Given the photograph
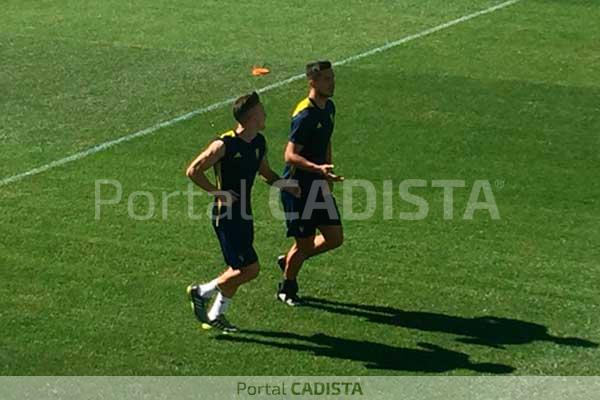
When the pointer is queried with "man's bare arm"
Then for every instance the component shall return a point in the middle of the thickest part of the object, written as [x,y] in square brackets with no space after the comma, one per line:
[265,170]
[205,160]
[292,156]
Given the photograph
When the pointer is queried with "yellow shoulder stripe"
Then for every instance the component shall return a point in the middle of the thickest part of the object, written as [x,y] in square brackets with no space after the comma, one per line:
[303,105]
[230,133]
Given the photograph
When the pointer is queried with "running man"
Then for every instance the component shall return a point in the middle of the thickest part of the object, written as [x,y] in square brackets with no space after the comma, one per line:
[236,156]
[309,161]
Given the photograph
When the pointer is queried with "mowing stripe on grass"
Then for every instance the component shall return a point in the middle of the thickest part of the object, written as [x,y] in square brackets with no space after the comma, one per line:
[144,132]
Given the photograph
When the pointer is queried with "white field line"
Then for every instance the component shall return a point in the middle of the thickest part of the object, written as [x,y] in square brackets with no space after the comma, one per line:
[145,132]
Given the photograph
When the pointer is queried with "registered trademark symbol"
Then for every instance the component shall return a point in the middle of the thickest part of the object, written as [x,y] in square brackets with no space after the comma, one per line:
[499,183]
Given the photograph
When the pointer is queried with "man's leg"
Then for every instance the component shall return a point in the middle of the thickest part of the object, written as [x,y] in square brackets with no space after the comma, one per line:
[230,280]
[225,285]
[236,238]
[331,237]
[296,256]
[228,283]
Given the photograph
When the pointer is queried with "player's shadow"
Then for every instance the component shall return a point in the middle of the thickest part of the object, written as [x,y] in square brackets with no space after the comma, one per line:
[427,358]
[487,330]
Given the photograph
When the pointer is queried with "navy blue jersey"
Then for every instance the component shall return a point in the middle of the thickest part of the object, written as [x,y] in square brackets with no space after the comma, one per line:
[312,128]
[236,171]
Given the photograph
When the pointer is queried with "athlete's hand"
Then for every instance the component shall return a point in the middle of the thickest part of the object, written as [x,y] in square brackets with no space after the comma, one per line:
[331,177]
[325,169]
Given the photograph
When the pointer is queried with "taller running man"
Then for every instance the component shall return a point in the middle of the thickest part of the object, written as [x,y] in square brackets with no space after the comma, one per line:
[308,158]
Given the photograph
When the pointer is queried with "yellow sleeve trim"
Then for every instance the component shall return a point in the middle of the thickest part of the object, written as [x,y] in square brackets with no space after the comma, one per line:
[218,175]
[230,133]
[219,187]
[303,105]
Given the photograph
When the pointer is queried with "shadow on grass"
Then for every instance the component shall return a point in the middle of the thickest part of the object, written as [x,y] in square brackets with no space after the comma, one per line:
[487,331]
[428,358]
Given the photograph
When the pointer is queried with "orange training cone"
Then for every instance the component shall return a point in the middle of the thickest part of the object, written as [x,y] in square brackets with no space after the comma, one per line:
[260,71]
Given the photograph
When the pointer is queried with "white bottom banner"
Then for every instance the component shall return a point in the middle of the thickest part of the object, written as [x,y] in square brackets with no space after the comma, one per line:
[301,387]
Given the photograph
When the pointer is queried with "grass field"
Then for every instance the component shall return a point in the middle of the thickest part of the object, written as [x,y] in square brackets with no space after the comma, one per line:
[511,97]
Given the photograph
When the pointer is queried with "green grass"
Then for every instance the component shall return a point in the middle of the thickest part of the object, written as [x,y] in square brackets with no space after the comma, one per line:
[511,97]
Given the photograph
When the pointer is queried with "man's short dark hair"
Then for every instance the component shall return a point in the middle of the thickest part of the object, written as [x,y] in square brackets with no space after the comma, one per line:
[243,105]
[313,69]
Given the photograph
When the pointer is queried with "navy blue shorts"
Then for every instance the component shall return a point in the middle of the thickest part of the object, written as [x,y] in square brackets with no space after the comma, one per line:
[302,220]
[236,238]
